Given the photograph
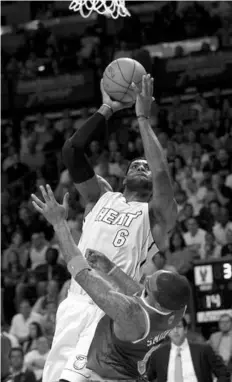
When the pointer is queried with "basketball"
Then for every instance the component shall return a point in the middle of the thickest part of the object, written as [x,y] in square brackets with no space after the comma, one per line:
[119,75]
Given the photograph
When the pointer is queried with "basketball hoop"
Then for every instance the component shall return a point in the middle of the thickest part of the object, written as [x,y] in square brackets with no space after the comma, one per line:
[113,8]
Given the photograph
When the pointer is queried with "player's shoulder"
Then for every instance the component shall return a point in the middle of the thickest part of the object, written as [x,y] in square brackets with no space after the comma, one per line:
[109,194]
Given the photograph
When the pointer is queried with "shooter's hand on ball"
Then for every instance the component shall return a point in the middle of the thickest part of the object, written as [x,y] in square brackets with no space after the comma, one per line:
[53,212]
[113,105]
[144,98]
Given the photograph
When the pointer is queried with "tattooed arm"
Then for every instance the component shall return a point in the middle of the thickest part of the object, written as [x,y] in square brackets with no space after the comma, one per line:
[102,264]
[127,314]
[130,321]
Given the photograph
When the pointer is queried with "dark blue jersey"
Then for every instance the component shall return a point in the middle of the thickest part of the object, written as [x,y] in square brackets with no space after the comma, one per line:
[112,358]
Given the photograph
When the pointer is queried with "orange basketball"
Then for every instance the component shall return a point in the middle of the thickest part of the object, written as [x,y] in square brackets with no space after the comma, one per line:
[119,75]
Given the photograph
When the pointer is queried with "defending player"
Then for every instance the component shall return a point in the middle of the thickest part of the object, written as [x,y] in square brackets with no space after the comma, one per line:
[133,325]
[120,225]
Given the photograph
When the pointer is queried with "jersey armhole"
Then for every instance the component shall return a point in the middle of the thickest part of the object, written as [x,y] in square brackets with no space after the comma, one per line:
[90,206]
[148,326]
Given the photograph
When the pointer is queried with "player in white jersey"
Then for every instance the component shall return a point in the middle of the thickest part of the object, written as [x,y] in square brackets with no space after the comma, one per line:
[120,225]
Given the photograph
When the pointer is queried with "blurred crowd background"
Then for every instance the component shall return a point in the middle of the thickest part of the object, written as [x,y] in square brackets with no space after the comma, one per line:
[52,62]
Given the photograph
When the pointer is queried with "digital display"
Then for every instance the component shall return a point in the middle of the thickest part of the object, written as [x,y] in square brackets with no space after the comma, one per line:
[212,289]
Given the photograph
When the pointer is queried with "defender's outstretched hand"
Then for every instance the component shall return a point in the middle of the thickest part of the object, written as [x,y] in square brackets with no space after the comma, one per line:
[114,105]
[51,210]
[144,98]
[98,261]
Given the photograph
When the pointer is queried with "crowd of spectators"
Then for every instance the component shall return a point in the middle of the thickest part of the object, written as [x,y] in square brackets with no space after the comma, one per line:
[197,139]
[42,52]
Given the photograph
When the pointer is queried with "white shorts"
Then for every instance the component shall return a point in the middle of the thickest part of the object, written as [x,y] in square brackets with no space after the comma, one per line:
[86,375]
[76,321]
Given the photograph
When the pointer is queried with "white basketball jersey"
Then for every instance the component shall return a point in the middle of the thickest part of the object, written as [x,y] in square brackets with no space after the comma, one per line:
[120,230]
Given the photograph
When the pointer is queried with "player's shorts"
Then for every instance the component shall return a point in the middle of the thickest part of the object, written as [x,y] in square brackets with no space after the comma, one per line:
[86,375]
[76,322]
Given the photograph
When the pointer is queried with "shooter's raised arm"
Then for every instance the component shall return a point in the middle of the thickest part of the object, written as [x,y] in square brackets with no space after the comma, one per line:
[162,207]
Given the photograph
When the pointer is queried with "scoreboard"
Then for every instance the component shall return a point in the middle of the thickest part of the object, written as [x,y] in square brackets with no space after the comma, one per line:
[212,289]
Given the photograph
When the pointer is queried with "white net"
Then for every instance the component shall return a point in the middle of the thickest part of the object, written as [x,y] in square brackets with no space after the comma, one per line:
[113,8]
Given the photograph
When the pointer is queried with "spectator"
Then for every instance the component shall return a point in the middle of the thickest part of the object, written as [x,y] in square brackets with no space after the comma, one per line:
[221,227]
[64,123]
[37,252]
[195,197]
[50,61]
[35,332]
[31,66]
[214,209]
[52,296]
[18,247]
[21,321]
[195,236]
[43,133]
[51,269]
[35,359]
[113,149]
[221,341]
[223,193]
[49,319]
[118,167]
[227,249]
[25,138]
[5,352]
[32,158]
[16,170]
[11,278]
[26,222]
[94,148]
[228,181]
[209,214]
[211,250]
[123,50]
[228,138]
[7,231]
[19,371]
[4,331]
[222,163]
[27,288]
[189,147]
[181,199]
[183,360]
[84,115]
[197,173]
[8,138]
[185,214]
[178,255]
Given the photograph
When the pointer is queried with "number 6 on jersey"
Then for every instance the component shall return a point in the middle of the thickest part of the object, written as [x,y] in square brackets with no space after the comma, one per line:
[120,237]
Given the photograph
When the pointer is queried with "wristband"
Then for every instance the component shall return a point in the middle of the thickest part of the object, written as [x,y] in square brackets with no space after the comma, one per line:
[111,271]
[142,116]
[105,104]
[76,265]
[106,111]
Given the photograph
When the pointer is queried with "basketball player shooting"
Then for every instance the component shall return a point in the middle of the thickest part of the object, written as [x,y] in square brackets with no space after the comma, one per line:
[133,326]
[120,225]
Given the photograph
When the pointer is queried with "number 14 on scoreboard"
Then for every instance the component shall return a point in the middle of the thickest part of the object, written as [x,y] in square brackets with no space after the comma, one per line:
[213,301]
